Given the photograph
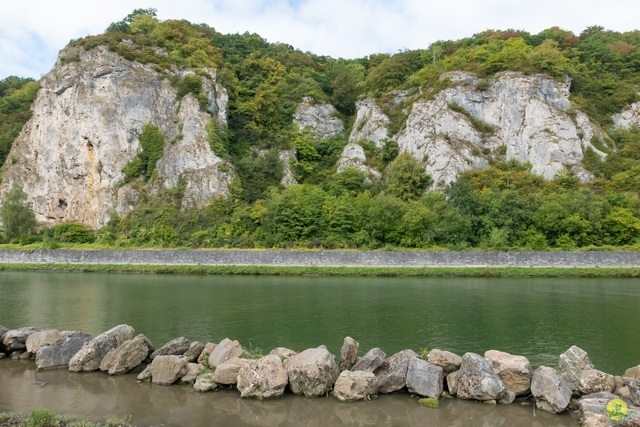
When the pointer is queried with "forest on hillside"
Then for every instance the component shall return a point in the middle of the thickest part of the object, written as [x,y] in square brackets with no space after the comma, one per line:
[504,207]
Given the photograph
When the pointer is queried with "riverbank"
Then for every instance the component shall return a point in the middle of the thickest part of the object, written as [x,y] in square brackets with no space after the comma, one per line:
[46,418]
[328,263]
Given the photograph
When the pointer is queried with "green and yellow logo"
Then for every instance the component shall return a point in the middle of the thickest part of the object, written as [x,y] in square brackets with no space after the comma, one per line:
[617,410]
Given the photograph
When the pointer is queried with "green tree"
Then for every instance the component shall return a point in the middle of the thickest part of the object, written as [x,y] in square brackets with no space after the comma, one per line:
[17,217]
[123,25]
[407,179]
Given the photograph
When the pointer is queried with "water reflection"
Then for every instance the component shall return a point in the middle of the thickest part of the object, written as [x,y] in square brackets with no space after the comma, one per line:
[97,396]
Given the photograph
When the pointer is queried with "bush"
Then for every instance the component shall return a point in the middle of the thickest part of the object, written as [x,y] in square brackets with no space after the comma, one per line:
[69,232]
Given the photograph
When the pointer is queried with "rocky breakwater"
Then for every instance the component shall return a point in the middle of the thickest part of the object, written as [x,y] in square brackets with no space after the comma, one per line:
[497,377]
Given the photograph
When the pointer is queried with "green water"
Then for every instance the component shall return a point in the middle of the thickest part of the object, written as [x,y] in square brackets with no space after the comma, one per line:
[537,318]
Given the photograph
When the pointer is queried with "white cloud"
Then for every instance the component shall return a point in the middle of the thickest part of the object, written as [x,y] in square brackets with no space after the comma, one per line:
[33,31]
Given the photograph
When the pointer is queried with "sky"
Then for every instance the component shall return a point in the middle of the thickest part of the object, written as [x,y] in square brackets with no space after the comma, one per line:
[33,31]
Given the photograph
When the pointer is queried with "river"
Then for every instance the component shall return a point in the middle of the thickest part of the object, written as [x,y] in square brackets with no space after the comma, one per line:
[537,318]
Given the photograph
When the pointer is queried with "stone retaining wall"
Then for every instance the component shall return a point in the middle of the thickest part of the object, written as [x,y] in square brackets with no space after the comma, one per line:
[324,258]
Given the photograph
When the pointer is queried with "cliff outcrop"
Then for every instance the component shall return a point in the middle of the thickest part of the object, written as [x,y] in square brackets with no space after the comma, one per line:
[463,127]
[84,130]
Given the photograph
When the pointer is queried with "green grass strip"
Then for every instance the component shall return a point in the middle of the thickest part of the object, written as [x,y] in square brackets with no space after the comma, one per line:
[258,270]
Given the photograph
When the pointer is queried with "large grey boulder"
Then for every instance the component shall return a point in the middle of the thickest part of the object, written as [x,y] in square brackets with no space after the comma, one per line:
[59,353]
[392,375]
[552,393]
[312,372]
[371,361]
[166,370]
[348,353]
[424,378]
[127,356]
[594,381]
[514,371]
[447,360]
[227,372]
[224,351]
[193,371]
[194,351]
[265,378]
[16,339]
[633,372]
[477,380]
[175,347]
[40,339]
[353,386]
[88,358]
[572,362]
[599,410]
[204,382]
[634,389]
[452,382]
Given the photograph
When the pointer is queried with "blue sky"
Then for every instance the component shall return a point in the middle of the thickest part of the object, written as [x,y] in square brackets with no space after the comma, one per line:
[33,31]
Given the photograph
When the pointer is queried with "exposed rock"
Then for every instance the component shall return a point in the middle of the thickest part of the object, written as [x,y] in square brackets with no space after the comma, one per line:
[26,355]
[353,157]
[595,381]
[286,158]
[145,375]
[127,356]
[320,117]
[633,372]
[514,371]
[447,360]
[353,386]
[283,353]
[628,118]
[227,372]
[166,370]
[37,340]
[204,382]
[477,380]
[3,331]
[84,131]
[59,353]
[16,339]
[392,375]
[88,358]
[552,393]
[371,361]
[348,353]
[194,351]
[452,382]
[572,362]
[264,378]
[507,397]
[371,124]
[224,351]
[206,352]
[193,370]
[175,347]
[312,372]
[424,378]
[596,410]
[634,389]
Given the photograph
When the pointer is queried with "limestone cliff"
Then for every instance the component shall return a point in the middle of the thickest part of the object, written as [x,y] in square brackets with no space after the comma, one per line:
[320,117]
[84,129]
[512,116]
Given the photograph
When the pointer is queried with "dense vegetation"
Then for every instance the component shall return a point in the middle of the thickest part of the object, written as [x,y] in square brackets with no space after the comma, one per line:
[504,207]
[16,96]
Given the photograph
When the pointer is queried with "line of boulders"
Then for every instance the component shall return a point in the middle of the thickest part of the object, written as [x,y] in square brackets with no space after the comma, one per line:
[496,378]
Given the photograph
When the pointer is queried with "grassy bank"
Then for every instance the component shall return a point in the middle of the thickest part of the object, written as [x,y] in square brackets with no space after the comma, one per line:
[46,418]
[257,270]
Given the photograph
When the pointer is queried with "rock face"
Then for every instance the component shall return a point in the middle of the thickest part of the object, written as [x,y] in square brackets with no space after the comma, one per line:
[84,130]
[265,378]
[514,371]
[628,117]
[224,351]
[127,356]
[321,118]
[462,127]
[354,386]
[551,392]
[572,362]
[477,380]
[312,372]
[353,157]
[16,339]
[40,339]
[166,370]
[595,381]
[175,347]
[88,358]
[59,353]
[348,353]
[392,375]
[447,360]
[424,378]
